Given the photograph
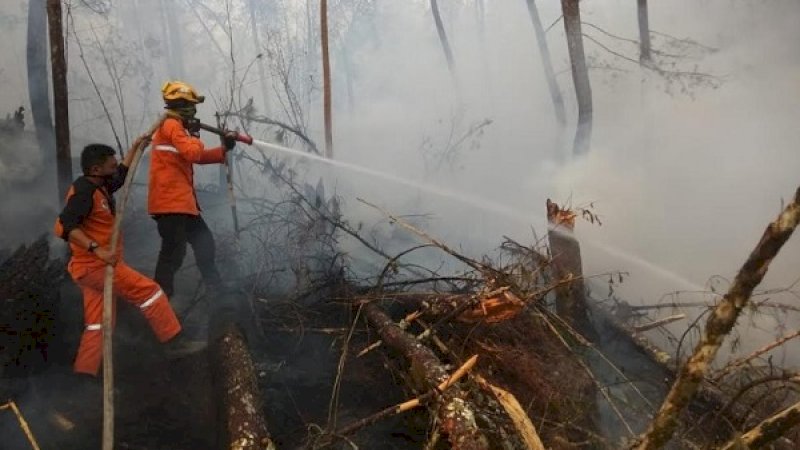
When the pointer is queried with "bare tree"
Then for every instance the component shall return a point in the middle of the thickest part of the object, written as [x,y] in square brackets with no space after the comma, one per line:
[547,64]
[580,75]
[36,53]
[448,52]
[326,78]
[58,65]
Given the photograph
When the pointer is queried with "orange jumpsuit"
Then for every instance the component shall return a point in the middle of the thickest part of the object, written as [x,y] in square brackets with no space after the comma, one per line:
[90,208]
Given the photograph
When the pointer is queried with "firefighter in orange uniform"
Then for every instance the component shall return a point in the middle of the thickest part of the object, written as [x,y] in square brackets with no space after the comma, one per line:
[86,222]
[172,200]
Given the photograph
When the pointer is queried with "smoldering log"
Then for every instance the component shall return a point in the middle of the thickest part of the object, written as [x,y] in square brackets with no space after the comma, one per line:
[455,415]
[240,403]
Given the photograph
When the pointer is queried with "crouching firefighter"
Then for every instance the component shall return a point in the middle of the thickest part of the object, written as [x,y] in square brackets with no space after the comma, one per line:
[86,222]
[172,200]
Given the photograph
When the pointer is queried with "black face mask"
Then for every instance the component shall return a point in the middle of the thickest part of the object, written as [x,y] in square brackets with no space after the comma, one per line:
[185,110]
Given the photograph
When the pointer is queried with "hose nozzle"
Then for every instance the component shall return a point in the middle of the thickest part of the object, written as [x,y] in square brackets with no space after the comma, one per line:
[240,137]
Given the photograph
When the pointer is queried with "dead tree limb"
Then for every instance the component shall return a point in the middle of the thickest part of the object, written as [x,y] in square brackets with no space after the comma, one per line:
[410,404]
[483,268]
[733,365]
[456,417]
[658,323]
[284,126]
[719,324]
[767,431]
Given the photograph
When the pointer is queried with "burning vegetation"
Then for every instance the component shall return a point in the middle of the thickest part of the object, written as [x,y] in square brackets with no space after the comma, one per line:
[329,332]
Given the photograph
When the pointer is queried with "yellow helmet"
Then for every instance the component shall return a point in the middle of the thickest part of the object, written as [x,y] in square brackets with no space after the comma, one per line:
[178,90]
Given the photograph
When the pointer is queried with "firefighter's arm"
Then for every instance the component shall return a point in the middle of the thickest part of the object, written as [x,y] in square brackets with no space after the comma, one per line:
[79,238]
[189,147]
[78,207]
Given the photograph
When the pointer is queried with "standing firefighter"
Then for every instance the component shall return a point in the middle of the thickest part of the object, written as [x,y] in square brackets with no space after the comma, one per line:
[172,199]
[86,222]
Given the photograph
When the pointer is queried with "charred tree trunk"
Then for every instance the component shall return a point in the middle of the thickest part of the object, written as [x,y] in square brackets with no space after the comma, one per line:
[236,383]
[36,54]
[547,64]
[567,265]
[326,78]
[580,75]
[644,32]
[455,415]
[448,52]
[58,66]
[719,324]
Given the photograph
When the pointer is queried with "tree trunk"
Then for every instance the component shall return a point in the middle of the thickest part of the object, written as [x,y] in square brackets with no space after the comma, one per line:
[547,64]
[767,431]
[719,324]
[58,65]
[580,75]
[448,52]
[455,415]
[236,383]
[326,78]
[644,32]
[36,54]
[262,73]
[567,265]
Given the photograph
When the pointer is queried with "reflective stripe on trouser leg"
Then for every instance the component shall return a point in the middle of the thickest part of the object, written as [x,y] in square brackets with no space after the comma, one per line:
[90,350]
[150,298]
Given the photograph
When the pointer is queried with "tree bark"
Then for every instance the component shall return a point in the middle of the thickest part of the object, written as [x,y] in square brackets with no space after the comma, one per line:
[567,265]
[326,79]
[455,415]
[644,32]
[580,75]
[236,383]
[58,66]
[767,431]
[719,324]
[38,84]
[547,65]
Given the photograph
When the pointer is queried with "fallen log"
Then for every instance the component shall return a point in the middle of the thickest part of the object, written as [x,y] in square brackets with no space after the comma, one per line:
[236,384]
[455,415]
[409,404]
